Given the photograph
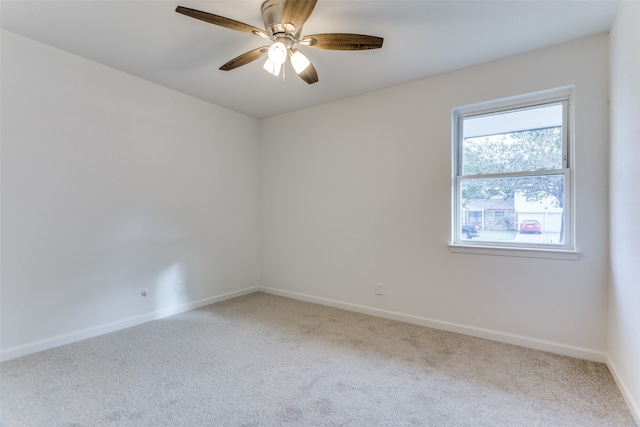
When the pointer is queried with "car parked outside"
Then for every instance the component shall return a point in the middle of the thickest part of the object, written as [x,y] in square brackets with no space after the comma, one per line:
[469,231]
[531,226]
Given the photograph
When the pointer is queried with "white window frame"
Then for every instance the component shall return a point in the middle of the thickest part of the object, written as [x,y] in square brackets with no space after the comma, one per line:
[567,250]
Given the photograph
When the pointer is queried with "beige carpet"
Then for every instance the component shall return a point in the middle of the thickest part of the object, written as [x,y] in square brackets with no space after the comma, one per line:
[271,361]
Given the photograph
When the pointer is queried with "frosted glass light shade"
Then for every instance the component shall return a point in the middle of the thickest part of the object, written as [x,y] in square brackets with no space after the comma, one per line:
[278,53]
[299,61]
[272,67]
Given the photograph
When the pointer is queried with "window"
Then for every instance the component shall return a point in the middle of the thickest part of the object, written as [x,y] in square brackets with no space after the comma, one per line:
[512,168]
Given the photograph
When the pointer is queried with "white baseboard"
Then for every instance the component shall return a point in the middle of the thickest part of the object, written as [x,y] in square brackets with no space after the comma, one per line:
[72,337]
[523,341]
[549,346]
[633,405]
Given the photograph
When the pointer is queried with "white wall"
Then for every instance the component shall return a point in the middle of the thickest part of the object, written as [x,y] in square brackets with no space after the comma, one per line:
[111,185]
[624,291]
[358,191]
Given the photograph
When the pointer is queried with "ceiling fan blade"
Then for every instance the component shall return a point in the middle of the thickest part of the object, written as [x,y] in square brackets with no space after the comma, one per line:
[221,21]
[309,74]
[342,41]
[297,12]
[245,58]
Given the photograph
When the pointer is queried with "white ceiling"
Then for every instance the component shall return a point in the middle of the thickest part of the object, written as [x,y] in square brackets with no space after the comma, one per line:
[421,38]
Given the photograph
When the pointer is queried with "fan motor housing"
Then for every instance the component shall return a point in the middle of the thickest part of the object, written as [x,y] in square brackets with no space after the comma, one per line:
[272,18]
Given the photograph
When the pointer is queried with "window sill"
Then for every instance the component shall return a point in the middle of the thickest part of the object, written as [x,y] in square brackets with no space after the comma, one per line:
[516,252]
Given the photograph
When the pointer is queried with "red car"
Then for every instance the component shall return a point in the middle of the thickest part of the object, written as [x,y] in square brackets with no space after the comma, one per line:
[531,226]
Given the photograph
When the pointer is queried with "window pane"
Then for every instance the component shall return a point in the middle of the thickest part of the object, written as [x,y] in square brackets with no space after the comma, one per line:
[527,209]
[517,141]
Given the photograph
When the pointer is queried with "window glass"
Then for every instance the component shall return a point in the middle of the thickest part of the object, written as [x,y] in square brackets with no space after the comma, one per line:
[501,208]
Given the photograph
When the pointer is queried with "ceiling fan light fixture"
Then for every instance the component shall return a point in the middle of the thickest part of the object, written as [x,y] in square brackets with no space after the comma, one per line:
[278,53]
[299,61]
[283,21]
[272,67]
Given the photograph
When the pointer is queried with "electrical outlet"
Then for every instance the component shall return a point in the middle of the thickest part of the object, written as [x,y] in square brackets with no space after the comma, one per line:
[179,286]
[379,288]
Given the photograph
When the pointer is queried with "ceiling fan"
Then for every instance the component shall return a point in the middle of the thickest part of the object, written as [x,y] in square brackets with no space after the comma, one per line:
[283,21]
